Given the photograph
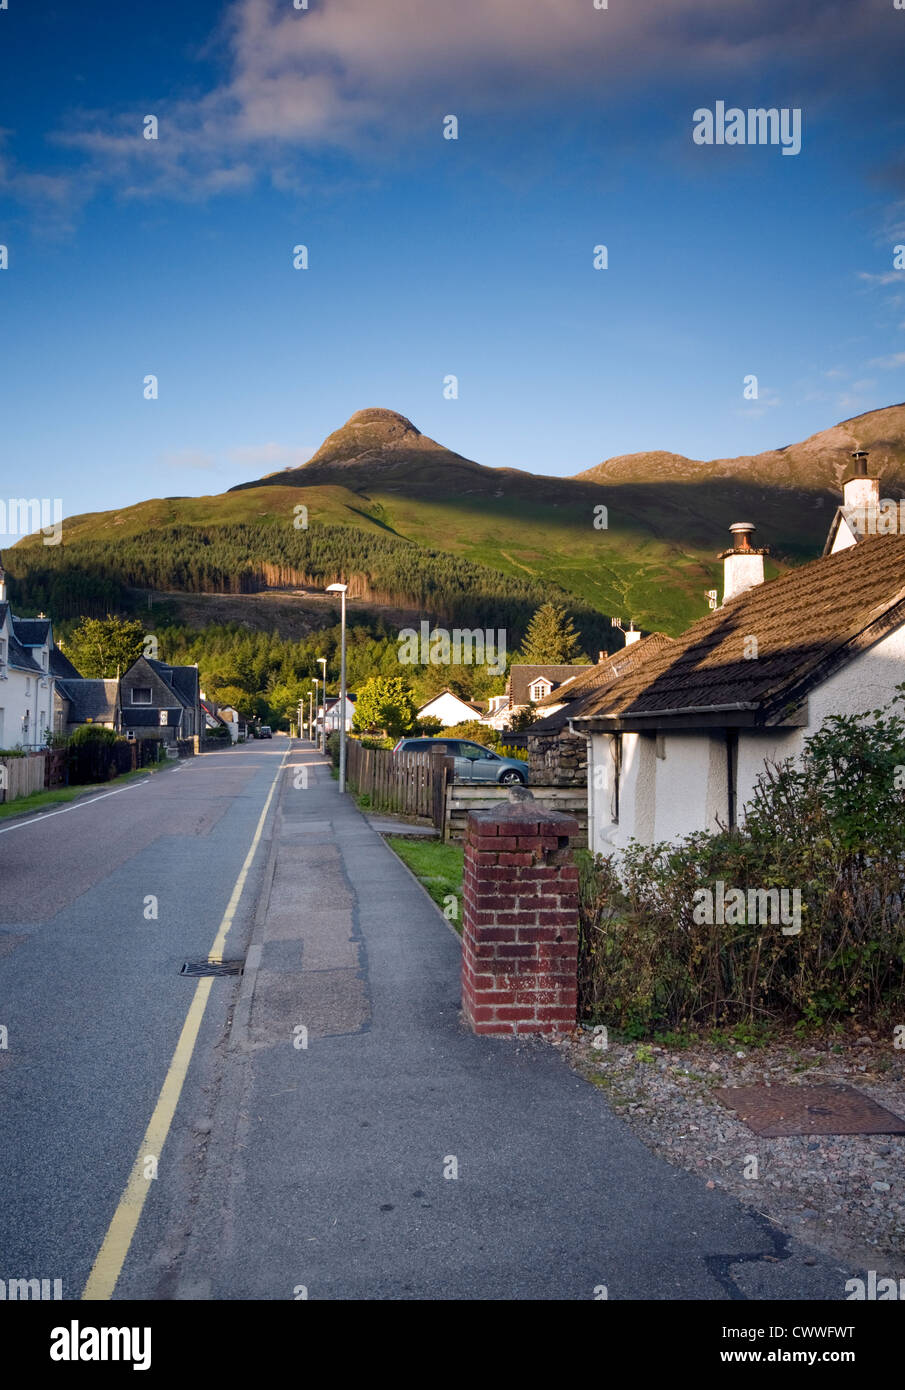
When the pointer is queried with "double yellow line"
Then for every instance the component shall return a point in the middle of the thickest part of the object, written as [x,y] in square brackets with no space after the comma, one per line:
[112,1255]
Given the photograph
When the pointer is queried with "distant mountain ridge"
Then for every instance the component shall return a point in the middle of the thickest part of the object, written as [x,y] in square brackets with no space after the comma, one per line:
[377,445]
[667,517]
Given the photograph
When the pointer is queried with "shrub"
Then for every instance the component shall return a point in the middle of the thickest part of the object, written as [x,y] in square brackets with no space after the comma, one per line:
[829,827]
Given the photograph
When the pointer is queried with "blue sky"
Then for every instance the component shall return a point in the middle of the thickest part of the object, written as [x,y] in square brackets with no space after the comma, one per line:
[431,257]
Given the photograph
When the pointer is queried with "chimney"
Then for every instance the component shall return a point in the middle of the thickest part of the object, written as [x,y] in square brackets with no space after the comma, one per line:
[743,565]
[859,492]
[631,635]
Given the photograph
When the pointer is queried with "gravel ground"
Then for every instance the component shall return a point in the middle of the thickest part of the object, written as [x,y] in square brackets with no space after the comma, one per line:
[844,1194]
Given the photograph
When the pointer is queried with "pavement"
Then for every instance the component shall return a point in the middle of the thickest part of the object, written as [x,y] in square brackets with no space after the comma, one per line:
[357,1142]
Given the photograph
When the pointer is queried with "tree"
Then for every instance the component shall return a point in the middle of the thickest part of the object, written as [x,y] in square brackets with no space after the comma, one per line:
[551,640]
[101,648]
[385,702]
[522,719]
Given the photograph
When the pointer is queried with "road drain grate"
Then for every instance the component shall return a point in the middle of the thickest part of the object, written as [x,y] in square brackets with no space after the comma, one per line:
[212,967]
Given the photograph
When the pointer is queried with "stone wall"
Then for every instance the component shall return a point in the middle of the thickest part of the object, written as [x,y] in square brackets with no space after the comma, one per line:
[558,759]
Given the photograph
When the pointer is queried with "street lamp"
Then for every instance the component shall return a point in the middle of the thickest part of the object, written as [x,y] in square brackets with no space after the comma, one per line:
[341,589]
[322,662]
[310,715]
[313,720]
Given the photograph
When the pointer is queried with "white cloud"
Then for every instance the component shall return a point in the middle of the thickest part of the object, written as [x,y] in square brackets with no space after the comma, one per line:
[894,359]
[361,75]
[888,277]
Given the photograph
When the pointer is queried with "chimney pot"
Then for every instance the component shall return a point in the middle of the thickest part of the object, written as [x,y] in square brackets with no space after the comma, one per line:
[743,565]
[860,492]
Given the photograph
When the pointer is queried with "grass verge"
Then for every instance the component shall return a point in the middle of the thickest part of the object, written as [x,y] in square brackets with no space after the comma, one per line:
[439,867]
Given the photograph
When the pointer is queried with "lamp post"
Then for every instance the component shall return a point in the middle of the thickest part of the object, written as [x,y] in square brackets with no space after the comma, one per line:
[312,714]
[341,589]
[322,663]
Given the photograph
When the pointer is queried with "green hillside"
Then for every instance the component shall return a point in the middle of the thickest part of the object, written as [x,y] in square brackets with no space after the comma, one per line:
[412,525]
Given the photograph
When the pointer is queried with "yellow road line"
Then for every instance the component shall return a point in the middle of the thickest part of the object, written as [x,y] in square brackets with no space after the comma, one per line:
[112,1255]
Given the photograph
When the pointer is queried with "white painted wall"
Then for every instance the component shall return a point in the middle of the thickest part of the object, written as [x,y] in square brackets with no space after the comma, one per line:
[26,704]
[448,708]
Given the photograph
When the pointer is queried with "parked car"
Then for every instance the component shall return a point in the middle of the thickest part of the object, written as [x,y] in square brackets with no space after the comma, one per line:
[265,731]
[474,763]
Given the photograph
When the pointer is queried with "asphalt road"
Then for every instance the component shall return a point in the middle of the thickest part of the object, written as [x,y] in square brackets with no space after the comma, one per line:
[322,1171]
[92,997]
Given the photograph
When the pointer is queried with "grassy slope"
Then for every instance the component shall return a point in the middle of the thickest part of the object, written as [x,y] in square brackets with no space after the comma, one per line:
[668,517]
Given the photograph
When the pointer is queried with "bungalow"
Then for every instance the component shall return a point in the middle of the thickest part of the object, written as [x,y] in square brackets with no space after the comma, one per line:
[677,744]
[449,709]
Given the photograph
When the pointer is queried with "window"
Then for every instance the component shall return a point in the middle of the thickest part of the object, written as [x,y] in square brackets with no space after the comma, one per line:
[141,694]
[539,689]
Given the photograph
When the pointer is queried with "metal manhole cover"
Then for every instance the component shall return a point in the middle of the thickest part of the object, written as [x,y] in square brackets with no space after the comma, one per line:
[775,1111]
[213,967]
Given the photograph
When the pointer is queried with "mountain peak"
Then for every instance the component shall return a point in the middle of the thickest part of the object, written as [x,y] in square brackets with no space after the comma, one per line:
[377,415]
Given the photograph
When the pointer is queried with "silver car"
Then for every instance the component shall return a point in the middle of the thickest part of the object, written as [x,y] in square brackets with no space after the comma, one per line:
[473,763]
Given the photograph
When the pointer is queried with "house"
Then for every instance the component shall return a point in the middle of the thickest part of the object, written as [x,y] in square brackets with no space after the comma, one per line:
[160,701]
[677,744]
[449,709]
[557,757]
[222,716]
[528,685]
[332,715]
[80,701]
[496,714]
[26,678]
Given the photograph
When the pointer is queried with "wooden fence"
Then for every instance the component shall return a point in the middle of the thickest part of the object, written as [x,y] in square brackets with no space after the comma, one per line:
[409,784]
[463,797]
[21,776]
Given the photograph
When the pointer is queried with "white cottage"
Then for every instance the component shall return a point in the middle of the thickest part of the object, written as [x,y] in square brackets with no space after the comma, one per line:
[449,709]
[677,745]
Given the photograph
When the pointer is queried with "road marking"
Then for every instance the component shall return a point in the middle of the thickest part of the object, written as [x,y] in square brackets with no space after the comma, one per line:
[111,1257]
[88,801]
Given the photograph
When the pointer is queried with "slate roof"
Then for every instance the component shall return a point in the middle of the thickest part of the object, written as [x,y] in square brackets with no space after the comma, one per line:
[62,667]
[19,656]
[573,697]
[182,680]
[89,699]
[32,632]
[807,624]
[521,677]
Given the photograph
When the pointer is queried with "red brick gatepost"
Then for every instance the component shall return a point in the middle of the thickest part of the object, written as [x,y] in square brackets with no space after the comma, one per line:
[520,921]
